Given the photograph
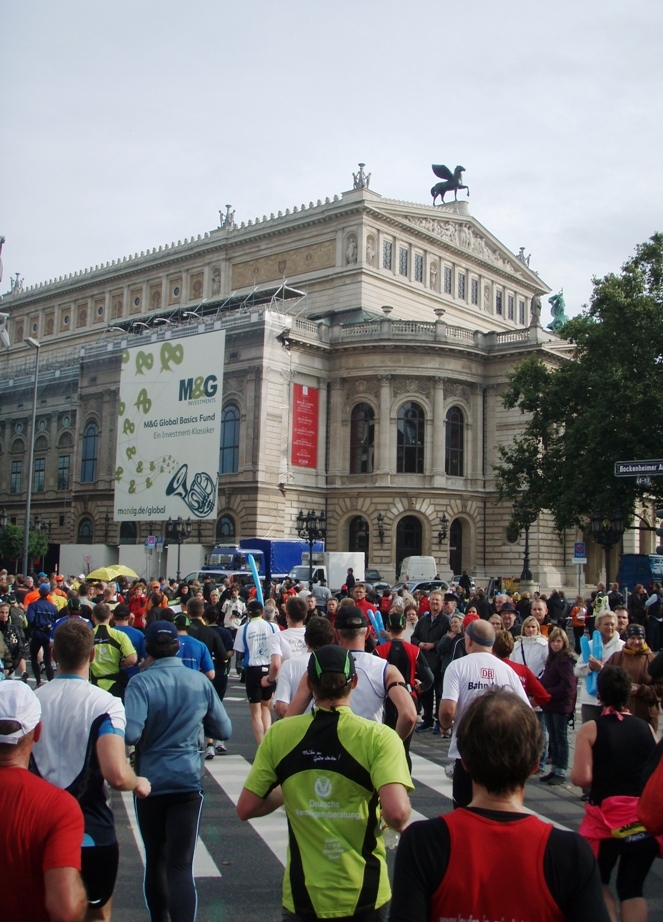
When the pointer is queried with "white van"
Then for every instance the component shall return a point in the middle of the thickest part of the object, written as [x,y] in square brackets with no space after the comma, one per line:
[418,568]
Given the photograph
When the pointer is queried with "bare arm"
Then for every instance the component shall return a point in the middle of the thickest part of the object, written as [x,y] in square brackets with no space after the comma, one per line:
[395,805]
[115,768]
[447,713]
[130,660]
[281,708]
[274,668]
[210,675]
[301,699]
[583,762]
[250,805]
[65,896]
[402,701]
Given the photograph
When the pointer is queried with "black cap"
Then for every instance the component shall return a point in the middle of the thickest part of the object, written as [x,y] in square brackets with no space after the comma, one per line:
[255,607]
[330,659]
[396,619]
[450,597]
[161,632]
[350,617]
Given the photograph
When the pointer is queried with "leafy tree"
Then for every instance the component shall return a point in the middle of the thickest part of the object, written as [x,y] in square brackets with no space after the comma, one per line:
[600,406]
[11,542]
[37,544]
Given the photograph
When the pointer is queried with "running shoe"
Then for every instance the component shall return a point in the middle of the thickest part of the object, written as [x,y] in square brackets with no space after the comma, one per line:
[424,727]
[209,752]
[220,747]
[556,779]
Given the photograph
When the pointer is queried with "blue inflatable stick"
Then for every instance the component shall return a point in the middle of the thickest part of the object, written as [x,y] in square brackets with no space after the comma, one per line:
[378,624]
[256,578]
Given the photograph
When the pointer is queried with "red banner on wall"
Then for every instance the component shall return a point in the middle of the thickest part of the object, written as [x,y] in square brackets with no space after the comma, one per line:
[304,426]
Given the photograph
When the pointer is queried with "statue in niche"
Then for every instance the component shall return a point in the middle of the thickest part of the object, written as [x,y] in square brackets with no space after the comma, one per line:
[433,276]
[351,250]
[558,311]
[452,182]
[216,281]
[156,300]
[370,250]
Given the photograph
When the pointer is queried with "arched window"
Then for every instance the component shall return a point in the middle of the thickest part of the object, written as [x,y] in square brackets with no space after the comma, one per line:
[456,547]
[90,453]
[229,450]
[362,439]
[408,539]
[128,532]
[454,447]
[410,450]
[85,532]
[225,529]
[358,535]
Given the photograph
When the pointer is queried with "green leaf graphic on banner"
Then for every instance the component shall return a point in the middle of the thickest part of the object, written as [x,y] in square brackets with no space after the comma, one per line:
[131,451]
[144,360]
[128,428]
[139,467]
[132,486]
[152,466]
[118,473]
[170,353]
[148,483]
[143,402]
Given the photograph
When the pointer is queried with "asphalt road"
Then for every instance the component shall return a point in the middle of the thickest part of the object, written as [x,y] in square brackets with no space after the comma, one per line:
[239,868]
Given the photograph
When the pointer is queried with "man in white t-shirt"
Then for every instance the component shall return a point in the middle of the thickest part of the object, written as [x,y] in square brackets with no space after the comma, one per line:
[285,644]
[464,680]
[253,640]
[318,633]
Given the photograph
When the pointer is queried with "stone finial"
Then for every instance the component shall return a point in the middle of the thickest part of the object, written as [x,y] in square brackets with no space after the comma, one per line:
[361,180]
[227,220]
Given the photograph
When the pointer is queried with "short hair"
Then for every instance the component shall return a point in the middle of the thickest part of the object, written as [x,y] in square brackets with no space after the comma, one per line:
[161,650]
[500,740]
[602,616]
[211,614]
[296,608]
[319,632]
[101,612]
[503,646]
[614,686]
[530,620]
[73,642]
[195,608]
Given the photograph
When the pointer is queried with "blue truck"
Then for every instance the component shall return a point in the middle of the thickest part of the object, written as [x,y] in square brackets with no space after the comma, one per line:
[280,555]
[640,568]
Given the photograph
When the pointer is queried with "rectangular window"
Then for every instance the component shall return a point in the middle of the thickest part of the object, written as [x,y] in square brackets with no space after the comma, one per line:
[474,291]
[509,307]
[461,285]
[63,472]
[387,248]
[38,479]
[402,261]
[447,280]
[418,267]
[498,303]
[521,312]
[15,482]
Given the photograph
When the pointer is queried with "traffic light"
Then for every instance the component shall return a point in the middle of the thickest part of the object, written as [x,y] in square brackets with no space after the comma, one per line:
[659,531]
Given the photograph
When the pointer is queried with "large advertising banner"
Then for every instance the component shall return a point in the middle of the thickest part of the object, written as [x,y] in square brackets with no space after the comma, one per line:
[304,426]
[169,429]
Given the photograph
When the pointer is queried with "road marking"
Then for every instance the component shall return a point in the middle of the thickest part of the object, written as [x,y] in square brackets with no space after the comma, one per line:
[203,863]
[433,776]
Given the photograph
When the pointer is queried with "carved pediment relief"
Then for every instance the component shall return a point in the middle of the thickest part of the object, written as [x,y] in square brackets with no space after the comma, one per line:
[463,235]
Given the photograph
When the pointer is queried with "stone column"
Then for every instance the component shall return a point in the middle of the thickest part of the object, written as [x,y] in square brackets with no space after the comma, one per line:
[338,428]
[383,468]
[439,427]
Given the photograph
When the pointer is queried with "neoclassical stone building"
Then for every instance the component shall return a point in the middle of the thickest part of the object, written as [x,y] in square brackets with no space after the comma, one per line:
[367,345]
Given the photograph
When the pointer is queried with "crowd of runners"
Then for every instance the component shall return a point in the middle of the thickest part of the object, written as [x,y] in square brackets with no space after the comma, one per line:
[126,689]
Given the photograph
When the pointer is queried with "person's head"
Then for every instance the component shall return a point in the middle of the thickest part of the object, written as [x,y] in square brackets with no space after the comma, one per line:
[558,642]
[109,593]
[479,637]
[195,608]
[359,591]
[635,637]
[621,614]
[606,625]
[214,596]
[255,609]
[332,606]
[396,622]
[471,610]
[331,673]
[531,627]
[121,614]
[161,639]
[296,609]
[351,624]
[318,633]
[44,590]
[234,590]
[508,618]
[435,602]
[20,716]
[181,622]
[539,610]
[496,621]
[456,623]
[638,588]
[101,613]
[449,604]
[310,602]
[411,614]
[73,643]
[499,602]
[4,611]
[499,739]
[503,646]
[614,686]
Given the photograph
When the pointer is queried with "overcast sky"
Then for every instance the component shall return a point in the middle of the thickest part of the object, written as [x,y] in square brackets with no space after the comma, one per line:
[129,124]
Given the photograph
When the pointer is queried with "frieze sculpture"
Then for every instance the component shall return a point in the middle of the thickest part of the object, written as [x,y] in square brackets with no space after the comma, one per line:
[453,181]
[558,311]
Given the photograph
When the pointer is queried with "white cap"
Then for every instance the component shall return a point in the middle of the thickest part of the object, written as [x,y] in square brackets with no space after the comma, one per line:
[18,702]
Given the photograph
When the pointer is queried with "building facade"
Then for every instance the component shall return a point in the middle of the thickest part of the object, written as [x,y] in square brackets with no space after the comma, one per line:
[368,343]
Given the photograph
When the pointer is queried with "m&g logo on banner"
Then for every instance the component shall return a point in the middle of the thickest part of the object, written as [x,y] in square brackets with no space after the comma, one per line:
[196,388]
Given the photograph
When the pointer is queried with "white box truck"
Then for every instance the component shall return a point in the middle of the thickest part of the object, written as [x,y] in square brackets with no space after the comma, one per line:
[332,566]
[418,568]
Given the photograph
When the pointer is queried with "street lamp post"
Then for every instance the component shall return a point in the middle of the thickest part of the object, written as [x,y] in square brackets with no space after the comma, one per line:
[312,528]
[179,530]
[607,531]
[520,513]
[34,344]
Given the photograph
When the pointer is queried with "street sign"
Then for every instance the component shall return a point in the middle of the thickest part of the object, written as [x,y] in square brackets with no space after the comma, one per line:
[150,541]
[579,552]
[649,468]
